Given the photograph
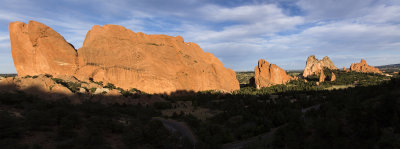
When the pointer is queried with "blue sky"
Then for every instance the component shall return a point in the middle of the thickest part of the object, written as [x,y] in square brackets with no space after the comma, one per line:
[238,32]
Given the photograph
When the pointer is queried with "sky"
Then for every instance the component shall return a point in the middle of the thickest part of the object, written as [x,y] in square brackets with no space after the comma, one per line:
[238,32]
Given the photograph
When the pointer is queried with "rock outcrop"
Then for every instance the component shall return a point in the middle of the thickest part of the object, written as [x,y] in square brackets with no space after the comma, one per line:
[266,74]
[114,54]
[38,49]
[35,86]
[364,67]
[322,76]
[315,66]
[333,77]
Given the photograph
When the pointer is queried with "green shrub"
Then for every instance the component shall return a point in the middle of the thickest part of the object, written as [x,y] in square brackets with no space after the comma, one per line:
[92,90]
[110,86]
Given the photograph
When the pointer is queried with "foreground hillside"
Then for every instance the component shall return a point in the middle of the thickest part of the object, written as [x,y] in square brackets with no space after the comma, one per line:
[358,110]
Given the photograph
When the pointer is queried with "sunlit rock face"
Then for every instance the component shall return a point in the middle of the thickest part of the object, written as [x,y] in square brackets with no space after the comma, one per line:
[364,67]
[114,54]
[315,66]
[266,74]
[38,49]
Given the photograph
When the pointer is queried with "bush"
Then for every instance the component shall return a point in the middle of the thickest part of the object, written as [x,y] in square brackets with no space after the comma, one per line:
[110,86]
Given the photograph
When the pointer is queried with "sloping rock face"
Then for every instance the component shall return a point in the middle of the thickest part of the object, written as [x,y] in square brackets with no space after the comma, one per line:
[38,49]
[333,77]
[40,85]
[266,74]
[114,54]
[315,66]
[322,77]
[364,67]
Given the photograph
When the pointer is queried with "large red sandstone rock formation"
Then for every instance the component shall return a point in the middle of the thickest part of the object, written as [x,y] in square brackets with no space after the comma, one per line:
[364,67]
[114,54]
[315,66]
[38,49]
[266,74]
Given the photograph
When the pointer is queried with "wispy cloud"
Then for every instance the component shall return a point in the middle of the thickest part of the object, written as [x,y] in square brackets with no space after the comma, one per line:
[238,33]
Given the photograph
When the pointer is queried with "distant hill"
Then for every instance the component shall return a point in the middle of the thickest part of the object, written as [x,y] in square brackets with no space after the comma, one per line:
[389,66]
[8,75]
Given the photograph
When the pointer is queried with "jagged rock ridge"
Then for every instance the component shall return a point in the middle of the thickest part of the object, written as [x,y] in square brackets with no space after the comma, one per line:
[266,74]
[364,67]
[315,66]
[114,54]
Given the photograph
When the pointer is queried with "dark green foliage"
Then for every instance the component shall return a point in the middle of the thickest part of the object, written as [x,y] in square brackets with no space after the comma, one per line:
[366,116]
[110,86]
[134,93]
[92,90]
[8,75]
[73,86]
[162,105]
[85,125]
[363,117]
[9,126]
[48,75]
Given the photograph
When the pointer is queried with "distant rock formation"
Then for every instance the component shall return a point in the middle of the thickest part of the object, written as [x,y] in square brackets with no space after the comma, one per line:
[364,67]
[114,54]
[266,74]
[315,66]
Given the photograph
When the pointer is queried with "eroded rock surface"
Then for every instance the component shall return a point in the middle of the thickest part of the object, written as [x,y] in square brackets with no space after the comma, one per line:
[114,54]
[364,67]
[266,74]
[38,49]
[315,66]
[333,77]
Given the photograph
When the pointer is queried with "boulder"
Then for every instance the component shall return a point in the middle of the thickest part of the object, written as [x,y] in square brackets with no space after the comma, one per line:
[82,90]
[101,91]
[114,54]
[38,49]
[364,67]
[114,92]
[266,74]
[315,66]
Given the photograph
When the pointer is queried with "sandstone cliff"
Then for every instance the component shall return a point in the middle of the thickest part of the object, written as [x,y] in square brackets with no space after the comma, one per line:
[364,67]
[266,74]
[315,66]
[38,49]
[114,54]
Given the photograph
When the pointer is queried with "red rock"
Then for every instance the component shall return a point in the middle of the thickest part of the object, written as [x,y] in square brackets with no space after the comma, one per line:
[322,76]
[333,77]
[38,49]
[364,67]
[114,54]
[315,66]
[266,74]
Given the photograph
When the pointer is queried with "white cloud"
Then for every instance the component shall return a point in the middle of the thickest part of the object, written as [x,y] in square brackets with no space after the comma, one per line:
[252,21]
[335,9]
